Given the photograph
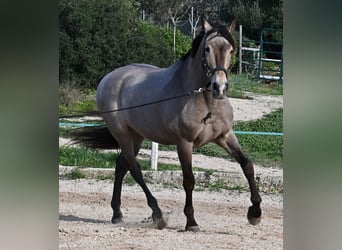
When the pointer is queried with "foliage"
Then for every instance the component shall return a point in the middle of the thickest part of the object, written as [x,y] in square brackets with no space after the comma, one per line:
[93,36]
[155,44]
[255,15]
[98,36]
[69,95]
[74,100]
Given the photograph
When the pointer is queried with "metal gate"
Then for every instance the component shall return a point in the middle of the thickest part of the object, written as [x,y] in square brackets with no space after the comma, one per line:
[263,63]
[274,58]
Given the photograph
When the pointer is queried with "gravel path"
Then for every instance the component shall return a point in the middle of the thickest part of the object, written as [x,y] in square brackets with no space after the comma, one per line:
[256,108]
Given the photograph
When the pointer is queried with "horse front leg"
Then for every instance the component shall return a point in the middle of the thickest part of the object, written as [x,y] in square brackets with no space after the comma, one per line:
[232,146]
[184,150]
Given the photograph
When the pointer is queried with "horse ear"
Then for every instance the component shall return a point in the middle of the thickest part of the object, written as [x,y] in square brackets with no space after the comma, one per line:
[206,25]
[232,26]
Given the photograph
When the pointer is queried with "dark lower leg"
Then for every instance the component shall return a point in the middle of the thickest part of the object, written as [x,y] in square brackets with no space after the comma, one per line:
[120,172]
[254,211]
[157,214]
[233,147]
[188,184]
[184,150]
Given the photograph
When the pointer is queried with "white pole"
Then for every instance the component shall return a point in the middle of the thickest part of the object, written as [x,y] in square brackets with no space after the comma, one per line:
[154,156]
[240,49]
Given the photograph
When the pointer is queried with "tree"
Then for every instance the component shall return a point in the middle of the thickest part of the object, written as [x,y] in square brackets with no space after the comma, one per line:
[99,36]
[255,15]
[93,38]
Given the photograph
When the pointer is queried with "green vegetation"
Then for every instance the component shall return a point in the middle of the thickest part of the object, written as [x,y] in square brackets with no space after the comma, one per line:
[99,36]
[266,150]
[129,180]
[75,174]
[262,149]
[239,84]
[84,157]
[73,100]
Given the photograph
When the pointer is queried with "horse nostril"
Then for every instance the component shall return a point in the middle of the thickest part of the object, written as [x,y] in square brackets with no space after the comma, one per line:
[220,87]
[216,87]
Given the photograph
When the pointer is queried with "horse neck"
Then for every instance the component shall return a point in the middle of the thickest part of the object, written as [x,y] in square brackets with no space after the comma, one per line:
[193,76]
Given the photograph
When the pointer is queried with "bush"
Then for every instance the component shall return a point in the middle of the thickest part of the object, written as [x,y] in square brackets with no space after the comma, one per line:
[93,38]
[98,36]
[69,95]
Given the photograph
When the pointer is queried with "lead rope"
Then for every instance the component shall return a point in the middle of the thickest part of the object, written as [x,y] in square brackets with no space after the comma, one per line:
[193,92]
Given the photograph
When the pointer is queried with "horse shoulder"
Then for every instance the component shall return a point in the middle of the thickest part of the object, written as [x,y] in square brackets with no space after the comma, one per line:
[211,123]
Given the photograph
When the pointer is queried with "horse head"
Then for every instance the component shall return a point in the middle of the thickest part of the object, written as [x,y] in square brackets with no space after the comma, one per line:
[217,50]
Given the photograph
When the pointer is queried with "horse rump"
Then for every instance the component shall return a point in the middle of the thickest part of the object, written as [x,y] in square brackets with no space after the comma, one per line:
[94,137]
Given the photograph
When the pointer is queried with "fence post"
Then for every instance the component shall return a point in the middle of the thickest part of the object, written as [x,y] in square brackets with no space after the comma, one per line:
[240,49]
[154,156]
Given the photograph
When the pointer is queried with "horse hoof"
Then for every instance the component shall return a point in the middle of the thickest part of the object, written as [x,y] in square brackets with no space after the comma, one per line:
[160,223]
[254,215]
[193,229]
[117,220]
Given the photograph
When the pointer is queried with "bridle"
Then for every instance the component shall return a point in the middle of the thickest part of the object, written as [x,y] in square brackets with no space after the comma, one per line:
[209,71]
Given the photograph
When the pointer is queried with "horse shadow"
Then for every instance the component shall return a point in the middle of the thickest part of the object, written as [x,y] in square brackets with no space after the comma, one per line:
[70,217]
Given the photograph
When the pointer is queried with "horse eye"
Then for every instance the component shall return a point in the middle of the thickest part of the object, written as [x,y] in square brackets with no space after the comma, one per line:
[207,49]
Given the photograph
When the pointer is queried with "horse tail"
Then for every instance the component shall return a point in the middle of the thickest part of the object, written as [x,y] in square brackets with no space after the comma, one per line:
[95,138]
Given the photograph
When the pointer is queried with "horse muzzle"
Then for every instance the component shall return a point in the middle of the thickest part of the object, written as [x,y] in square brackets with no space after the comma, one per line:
[219,90]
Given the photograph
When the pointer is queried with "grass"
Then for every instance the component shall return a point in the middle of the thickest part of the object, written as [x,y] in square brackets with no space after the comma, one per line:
[75,174]
[74,100]
[261,149]
[239,84]
[84,157]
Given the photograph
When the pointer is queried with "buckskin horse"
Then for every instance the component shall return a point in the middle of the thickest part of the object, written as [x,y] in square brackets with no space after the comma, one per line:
[183,105]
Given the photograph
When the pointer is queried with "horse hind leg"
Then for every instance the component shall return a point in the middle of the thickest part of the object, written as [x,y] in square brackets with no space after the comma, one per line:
[129,154]
[232,146]
[120,172]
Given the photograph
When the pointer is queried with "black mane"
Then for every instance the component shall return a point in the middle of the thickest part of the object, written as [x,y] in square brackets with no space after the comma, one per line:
[220,29]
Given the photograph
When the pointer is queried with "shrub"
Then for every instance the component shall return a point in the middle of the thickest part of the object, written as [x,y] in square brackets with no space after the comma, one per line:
[98,36]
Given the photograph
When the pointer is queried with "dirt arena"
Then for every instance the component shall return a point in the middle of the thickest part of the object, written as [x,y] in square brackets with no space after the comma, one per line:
[85,213]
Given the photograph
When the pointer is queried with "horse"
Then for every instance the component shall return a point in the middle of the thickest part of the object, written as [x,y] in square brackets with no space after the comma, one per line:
[183,105]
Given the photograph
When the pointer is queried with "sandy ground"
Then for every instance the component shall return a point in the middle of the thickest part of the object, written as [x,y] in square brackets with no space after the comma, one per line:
[85,212]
